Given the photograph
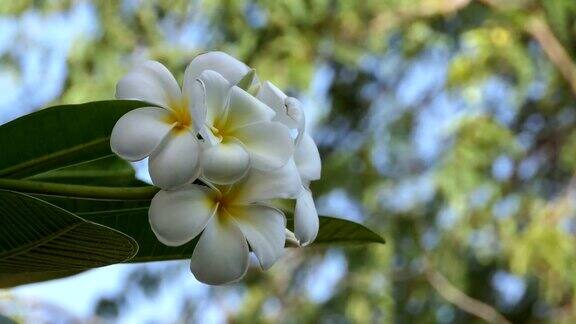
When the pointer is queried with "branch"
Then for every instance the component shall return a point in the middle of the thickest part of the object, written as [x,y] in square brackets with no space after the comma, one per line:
[456,297]
[538,28]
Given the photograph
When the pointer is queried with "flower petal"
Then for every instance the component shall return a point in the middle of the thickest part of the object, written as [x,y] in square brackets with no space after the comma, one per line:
[306,222]
[272,96]
[176,217]
[244,109]
[307,159]
[177,162]
[259,185]
[229,67]
[295,114]
[225,162]
[269,144]
[264,228]
[216,93]
[288,110]
[221,255]
[151,82]
[139,132]
[195,95]
[208,136]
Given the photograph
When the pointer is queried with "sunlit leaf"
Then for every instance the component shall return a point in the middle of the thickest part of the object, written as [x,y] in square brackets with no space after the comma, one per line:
[59,136]
[109,171]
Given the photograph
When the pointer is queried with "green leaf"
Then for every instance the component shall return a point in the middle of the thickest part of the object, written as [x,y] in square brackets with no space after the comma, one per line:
[59,136]
[36,236]
[79,206]
[8,280]
[134,222]
[110,171]
[131,218]
[246,82]
[337,230]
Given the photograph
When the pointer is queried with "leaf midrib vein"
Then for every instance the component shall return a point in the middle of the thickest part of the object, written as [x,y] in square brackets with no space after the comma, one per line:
[52,156]
[39,242]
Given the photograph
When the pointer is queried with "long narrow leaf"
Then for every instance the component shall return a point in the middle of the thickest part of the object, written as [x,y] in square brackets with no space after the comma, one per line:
[59,136]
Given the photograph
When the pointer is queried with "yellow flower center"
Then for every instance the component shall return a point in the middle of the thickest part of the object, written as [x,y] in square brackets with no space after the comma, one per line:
[221,128]
[180,114]
[225,200]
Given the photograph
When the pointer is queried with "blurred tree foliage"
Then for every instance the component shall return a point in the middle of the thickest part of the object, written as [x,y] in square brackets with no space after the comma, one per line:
[449,124]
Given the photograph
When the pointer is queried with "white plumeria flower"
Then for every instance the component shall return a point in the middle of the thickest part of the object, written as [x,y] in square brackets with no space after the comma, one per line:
[229,218]
[307,158]
[240,132]
[167,134]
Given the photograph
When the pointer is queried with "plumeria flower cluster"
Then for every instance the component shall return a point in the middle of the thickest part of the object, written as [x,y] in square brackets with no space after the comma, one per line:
[221,148]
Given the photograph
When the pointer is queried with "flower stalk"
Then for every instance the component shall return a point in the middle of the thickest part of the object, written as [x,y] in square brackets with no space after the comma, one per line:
[79,191]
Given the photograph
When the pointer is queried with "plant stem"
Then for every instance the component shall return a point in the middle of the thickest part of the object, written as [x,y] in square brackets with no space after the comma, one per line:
[468,304]
[79,191]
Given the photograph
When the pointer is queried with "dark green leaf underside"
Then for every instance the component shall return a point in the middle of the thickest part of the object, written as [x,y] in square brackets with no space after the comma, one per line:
[38,237]
[8,280]
[79,206]
[134,222]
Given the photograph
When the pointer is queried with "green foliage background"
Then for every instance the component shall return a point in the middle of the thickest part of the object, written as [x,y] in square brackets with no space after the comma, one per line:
[495,58]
